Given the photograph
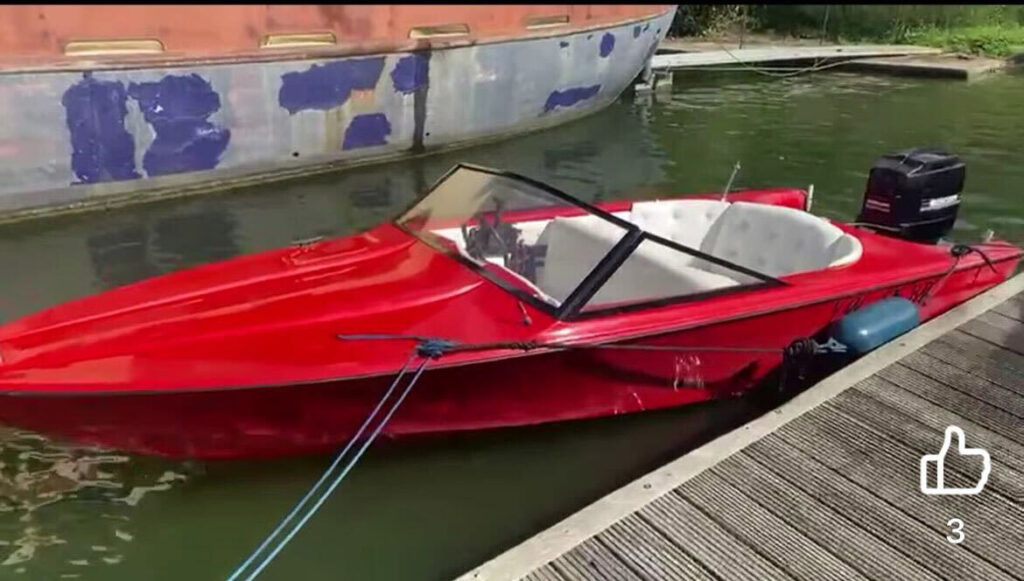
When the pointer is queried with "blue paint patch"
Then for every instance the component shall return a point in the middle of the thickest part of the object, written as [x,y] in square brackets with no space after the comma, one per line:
[636,31]
[101,147]
[570,97]
[411,73]
[323,87]
[647,27]
[367,131]
[563,44]
[607,44]
[177,107]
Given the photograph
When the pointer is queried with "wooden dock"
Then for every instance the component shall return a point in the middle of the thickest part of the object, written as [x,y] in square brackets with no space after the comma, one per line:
[725,55]
[828,485]
[951,66]
[891,59]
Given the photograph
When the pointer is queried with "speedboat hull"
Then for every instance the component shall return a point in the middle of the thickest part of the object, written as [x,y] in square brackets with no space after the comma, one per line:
[273,416]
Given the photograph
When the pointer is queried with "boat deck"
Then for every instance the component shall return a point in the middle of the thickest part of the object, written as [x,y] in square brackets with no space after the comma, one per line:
[828,485]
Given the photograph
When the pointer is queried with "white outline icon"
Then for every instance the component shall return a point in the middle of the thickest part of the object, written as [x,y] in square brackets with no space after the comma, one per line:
[940,459]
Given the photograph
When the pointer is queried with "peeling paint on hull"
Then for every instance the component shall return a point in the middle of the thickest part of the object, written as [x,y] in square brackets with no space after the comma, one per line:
[109,129]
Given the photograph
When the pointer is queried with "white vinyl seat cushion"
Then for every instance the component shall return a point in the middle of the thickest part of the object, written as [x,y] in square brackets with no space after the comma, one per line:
[652,271]
[685,222]
[574,247]
[776,240]
[846,250]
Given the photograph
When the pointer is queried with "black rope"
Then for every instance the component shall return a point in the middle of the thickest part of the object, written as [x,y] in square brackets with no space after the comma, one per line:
[675,348]
[795,356]
[958,251]
[964,249]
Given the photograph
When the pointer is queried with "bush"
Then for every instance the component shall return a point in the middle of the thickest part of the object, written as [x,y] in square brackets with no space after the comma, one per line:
[995,30]
[885,23]
[708,19]
[992,40]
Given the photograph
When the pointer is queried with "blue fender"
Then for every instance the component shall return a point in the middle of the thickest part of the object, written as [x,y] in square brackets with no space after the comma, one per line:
[876,324]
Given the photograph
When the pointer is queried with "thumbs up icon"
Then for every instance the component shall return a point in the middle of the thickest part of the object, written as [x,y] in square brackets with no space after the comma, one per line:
[953,433]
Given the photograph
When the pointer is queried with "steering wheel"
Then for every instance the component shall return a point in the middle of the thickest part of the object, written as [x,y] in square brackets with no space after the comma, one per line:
[489,238]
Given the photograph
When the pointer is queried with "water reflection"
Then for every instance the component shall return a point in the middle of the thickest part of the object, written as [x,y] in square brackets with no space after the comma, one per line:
[66,508]
[120,255]
[595,158]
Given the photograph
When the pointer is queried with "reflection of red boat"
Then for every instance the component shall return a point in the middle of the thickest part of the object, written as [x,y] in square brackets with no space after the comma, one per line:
[242,357]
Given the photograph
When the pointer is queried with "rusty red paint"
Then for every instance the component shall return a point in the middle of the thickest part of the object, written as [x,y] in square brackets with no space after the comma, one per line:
[38,34]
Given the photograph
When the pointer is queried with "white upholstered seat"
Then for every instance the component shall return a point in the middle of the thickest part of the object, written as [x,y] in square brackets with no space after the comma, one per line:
[773,240]
[575,245]
[683,221]
[776,240]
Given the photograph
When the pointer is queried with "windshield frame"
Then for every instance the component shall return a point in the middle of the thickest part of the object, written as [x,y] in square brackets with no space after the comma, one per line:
[572,307]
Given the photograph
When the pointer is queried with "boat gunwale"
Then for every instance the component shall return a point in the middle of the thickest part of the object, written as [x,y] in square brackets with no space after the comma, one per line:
[513,355]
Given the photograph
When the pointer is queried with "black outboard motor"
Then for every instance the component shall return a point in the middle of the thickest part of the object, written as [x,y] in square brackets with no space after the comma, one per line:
[914,194]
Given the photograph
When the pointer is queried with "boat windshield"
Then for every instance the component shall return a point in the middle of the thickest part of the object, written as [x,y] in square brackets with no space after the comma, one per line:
[557,252]
[503,224]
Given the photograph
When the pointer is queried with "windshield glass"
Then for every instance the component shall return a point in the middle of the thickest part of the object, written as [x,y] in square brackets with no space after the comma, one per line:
[520,235]
[655,271]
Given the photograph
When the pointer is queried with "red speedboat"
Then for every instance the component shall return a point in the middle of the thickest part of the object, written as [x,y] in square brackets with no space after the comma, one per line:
[243,358]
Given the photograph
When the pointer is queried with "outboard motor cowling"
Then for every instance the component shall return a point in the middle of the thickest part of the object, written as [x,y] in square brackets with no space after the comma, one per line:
[914,194]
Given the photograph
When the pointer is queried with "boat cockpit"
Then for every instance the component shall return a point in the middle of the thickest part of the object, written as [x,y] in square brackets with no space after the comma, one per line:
[575,258]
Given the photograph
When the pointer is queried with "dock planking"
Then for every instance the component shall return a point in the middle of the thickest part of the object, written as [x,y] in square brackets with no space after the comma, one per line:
[827,486]
[954,66]
[766,54]
[903,60]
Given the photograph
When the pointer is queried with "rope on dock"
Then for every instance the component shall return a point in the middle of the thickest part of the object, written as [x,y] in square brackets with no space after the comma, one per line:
[768,72]
[773,72]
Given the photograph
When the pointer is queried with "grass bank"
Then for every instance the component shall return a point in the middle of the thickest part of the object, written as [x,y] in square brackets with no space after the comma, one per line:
[989,40]
[989,30]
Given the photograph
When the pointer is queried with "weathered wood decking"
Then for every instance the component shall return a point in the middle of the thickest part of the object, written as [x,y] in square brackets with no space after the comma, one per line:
[827,486]
[892,59]
[764,54]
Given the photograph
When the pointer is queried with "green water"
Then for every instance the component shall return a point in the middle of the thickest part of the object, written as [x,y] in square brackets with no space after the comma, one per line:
[432,509]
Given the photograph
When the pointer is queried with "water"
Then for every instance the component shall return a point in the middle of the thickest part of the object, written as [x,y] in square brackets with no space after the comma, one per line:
[431,509]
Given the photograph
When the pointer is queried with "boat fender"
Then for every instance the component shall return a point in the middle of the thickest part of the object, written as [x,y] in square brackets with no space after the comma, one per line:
[876,324]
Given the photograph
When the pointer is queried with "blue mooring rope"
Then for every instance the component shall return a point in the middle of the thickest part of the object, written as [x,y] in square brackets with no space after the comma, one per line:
[427,349]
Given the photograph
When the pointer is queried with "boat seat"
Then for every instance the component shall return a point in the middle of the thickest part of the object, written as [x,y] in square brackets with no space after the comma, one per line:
[773,240]
[652,271]
[777,240]
[682,221]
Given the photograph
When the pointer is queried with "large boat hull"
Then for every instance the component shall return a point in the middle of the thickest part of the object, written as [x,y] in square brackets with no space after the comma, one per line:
[519,390]
[82,130]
